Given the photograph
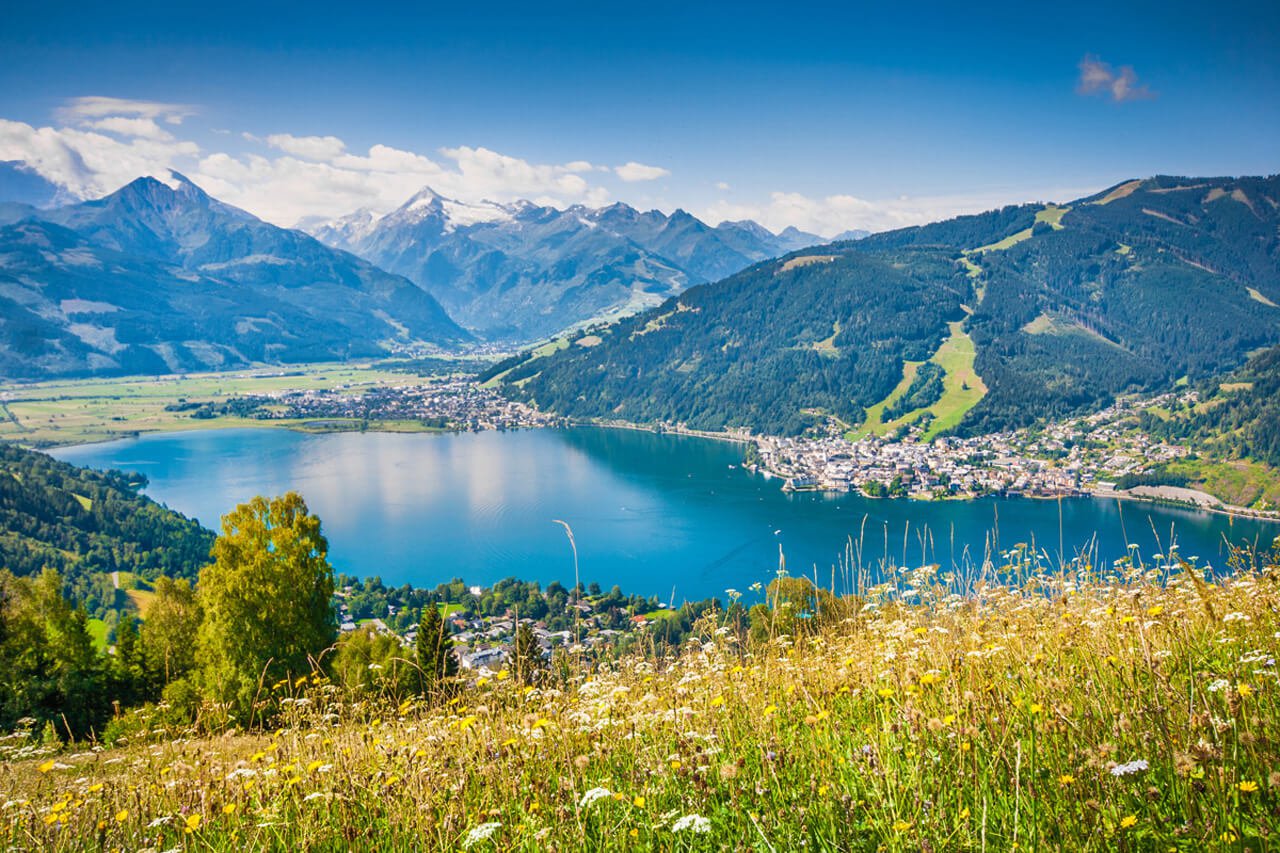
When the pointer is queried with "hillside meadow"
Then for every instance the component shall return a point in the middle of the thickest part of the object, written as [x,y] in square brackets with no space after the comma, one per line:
[1131,709]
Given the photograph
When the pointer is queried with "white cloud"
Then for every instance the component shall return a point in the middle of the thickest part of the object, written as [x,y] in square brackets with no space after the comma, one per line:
[284,178]
[503,178]
[723,186]
[323,148]
[86,162]
[125,126]
[633,171]
[833,214]
[99,144]
[79,109]
[1099,78]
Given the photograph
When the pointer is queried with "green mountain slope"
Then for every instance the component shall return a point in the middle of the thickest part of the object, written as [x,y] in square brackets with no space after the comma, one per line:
[1241,415]
[1129,290]
[87,524]
[762,347]
[162,279]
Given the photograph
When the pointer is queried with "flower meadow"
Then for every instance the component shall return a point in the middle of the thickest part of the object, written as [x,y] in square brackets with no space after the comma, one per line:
[1067,710]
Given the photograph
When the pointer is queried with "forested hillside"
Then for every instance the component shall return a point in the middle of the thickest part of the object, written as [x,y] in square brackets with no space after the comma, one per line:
[764,348]
[1237,418]
[87,524]
[1130,290]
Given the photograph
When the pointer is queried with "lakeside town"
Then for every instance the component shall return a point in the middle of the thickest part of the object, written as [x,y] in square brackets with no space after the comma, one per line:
[1078,456]
[452,402]
[1088,454]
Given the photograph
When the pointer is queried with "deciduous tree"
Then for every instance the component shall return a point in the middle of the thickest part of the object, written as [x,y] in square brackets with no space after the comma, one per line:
[267,601]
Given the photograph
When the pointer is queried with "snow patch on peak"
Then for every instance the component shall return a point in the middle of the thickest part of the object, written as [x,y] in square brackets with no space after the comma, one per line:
[461,215]
[425,197]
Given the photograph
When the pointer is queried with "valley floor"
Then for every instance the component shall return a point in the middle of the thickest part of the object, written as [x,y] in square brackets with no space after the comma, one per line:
[1078,456]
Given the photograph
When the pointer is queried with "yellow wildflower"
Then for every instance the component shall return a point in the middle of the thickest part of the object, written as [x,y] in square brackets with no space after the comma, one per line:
[122,815]
[1247,787]
[192,823]
[1128,821]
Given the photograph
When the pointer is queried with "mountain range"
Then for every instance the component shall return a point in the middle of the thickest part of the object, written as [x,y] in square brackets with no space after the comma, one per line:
[523,271]
[1030,311]
[159,277]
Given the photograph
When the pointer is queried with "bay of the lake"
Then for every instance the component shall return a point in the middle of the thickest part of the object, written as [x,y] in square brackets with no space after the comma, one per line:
[663,515]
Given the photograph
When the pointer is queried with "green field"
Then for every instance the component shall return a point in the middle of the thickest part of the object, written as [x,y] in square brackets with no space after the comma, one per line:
[872,424]
[1051,214]
[1078,710]
[962,389]
[98,632]
[1237,482]
[827,346]
[551,347]
[79,411]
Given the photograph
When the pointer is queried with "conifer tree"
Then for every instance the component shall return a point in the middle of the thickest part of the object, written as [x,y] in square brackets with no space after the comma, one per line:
[526,655]
[437,664]
[128,668]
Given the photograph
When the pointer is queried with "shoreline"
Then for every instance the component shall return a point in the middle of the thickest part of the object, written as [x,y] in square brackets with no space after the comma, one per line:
[1229,510]
[1226,509]
[634,427]
[320,426]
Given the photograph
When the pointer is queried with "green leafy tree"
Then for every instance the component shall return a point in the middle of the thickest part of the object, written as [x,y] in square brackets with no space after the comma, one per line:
[173,619]
[49,667]
[794,606]
[369,661]
[437,664]
[267,601]
[526,656]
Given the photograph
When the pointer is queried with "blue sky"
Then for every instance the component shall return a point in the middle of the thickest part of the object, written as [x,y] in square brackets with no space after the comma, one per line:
[825,116]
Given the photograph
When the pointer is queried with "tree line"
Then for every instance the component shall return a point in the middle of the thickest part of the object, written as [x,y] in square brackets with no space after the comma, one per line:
[260,616]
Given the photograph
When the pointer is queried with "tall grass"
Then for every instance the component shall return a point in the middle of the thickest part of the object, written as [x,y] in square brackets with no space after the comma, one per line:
[1058,710]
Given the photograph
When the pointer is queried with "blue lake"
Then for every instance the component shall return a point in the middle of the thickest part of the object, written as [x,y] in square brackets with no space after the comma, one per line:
[663,515]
